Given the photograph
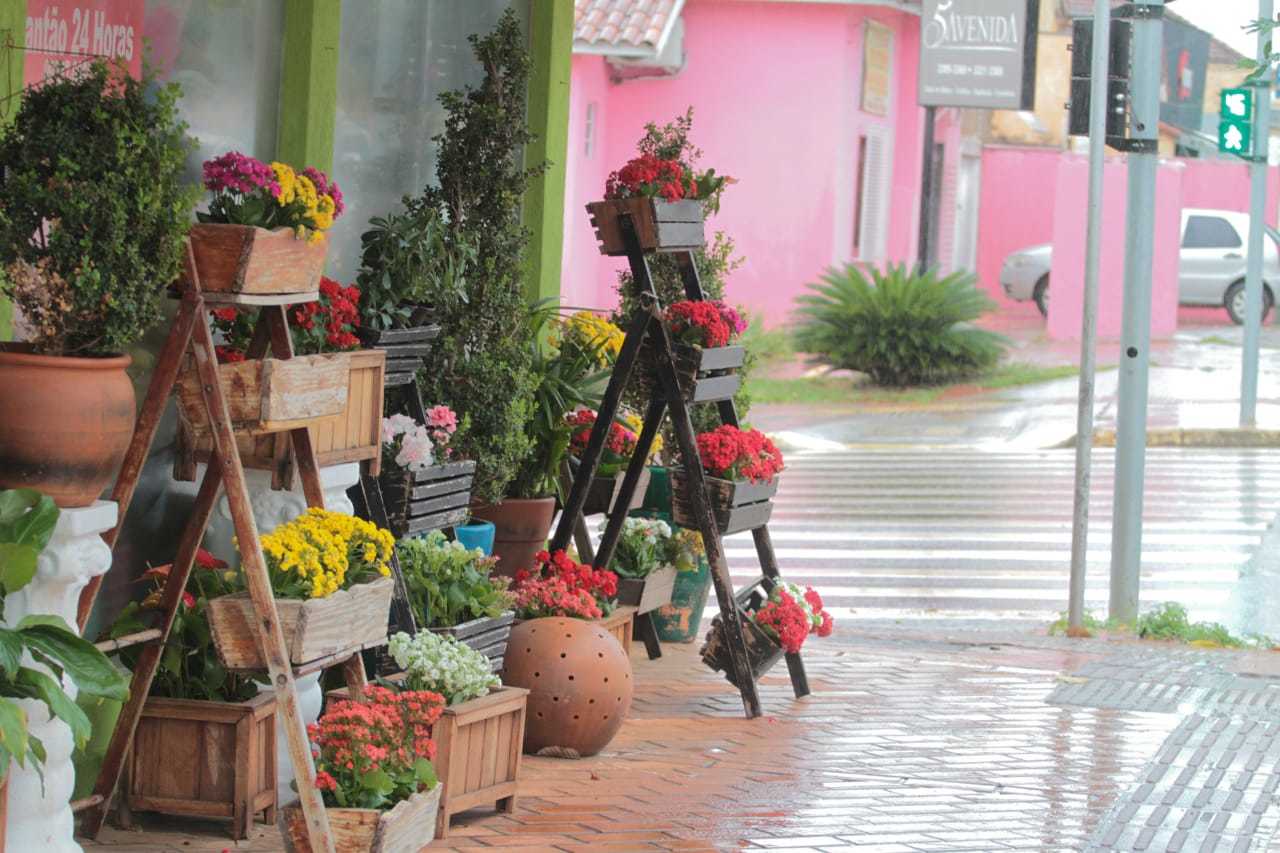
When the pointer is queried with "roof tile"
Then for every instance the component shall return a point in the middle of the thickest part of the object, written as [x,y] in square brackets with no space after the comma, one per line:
[627,26]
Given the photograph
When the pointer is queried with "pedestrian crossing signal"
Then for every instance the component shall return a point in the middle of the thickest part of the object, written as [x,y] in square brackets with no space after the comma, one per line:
[1235,130]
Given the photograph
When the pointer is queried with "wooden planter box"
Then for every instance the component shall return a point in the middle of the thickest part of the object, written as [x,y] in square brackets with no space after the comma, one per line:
[488,636]
[604,491]
[619,624]
[659,225]
[478,747]
[347,621]
[247,259]
[762,651]
[407,828]
[405,349]
[737,505]
[269,394]
[353,434]
[705,375]
[649,592]
[439,496]
[206,760]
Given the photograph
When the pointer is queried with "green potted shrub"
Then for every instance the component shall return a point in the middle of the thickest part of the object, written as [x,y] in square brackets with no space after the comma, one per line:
[481,365]
[96,153]
[564,379]
[453,591]
[194,696]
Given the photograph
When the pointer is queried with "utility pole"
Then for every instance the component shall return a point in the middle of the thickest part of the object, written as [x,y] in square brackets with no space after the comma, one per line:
[1098,106]
[1135,339]
[1257,212]
[927,213]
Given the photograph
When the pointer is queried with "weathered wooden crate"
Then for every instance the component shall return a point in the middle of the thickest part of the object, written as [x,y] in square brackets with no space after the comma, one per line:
[659,225]
[436,497]
[406,828]
[405,349]
[247,259]
[704,374]
[478,748]
[762,651]
[619,624]
[353,434]
[269,394]
[649,592]
[206,760]
[737,505]
[487,635]
[603,492]
[347,621]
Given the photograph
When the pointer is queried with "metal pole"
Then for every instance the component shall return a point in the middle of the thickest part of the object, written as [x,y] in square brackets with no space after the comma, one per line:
[1089,324]
[1135,338]
[1257,213]
[926,193]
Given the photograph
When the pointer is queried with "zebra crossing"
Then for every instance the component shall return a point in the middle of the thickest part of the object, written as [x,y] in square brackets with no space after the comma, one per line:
[965,532]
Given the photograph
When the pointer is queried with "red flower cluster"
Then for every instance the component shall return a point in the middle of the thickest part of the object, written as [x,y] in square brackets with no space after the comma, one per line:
[336,314]
[648,175]
[698,323]
[790,621]
[733,454]
[387,731]
[561,586]
[621,441]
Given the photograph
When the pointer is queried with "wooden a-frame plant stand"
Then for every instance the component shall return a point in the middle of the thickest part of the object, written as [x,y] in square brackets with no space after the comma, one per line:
[191,334]
[647,322]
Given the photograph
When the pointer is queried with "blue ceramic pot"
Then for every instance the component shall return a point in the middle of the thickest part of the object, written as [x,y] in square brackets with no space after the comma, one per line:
[476,534]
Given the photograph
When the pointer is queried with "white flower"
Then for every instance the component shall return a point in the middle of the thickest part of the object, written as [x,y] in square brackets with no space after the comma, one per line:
[442,664]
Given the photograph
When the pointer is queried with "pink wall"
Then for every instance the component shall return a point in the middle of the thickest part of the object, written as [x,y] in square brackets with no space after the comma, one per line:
[775,89]
[1067,275]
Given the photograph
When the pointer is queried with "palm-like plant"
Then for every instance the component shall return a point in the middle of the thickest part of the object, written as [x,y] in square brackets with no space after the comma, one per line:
[27,520]
[898,326]
[565,378]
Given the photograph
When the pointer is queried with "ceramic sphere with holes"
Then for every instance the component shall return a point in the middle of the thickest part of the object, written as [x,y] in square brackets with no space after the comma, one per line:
[579,682]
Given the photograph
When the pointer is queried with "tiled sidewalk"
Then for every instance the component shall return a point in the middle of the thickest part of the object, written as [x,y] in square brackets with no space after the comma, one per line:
[914,740]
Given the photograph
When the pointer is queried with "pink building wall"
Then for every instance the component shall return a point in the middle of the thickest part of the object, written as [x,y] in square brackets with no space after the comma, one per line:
[1018,204]
[776,89]
[1067,275]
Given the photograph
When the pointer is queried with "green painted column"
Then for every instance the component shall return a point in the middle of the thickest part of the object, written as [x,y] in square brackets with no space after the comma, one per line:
[309,83]
[13,14]
[551,47]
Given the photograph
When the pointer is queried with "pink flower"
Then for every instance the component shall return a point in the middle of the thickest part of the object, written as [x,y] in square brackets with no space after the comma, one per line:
[442,417]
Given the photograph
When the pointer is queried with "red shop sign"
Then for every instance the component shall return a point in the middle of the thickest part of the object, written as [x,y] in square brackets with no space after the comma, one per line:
[61,34]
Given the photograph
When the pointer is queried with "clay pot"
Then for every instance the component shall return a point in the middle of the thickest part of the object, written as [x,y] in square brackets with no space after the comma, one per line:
[67,423]
[579,683]
[522,526]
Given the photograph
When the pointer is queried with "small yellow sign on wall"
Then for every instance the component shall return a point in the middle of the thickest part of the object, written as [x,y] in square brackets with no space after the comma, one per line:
[877,60]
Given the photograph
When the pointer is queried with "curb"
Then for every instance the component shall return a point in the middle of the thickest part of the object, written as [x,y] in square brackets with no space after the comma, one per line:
[1229,437]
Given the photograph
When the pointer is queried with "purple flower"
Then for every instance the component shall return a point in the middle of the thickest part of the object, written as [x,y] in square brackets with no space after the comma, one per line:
[731,316]
[234,172]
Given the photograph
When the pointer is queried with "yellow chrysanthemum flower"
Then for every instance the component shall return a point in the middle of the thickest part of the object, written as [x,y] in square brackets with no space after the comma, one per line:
[288,181]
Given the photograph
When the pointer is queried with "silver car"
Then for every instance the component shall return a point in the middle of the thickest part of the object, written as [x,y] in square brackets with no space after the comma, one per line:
[1210,267]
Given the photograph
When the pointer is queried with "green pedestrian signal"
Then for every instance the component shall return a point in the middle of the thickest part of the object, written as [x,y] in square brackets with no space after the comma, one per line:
[1235,129]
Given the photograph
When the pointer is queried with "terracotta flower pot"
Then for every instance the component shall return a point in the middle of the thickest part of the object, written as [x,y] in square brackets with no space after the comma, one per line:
[522,527]
[67,423]
[579,680]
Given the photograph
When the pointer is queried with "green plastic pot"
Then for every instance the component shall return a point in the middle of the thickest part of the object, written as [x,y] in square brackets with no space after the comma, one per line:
[679,621]
[102,714]
[658,495]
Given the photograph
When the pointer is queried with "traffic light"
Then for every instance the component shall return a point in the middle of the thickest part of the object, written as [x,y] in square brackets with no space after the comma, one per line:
[1118,69]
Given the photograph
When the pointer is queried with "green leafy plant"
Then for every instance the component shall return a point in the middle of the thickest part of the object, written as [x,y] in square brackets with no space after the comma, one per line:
[449,584]
[443,665]
[482,360]
[189,667]
[897,326]
[564,379]
[408,261]
[648,544]
[1170,621]
[93,209]
[27,521]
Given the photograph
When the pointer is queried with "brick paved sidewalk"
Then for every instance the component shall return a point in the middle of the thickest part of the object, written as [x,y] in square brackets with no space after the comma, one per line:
[920,739]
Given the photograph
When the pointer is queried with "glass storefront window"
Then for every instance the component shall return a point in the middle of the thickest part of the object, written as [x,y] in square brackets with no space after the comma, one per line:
[226,55]
[397,57]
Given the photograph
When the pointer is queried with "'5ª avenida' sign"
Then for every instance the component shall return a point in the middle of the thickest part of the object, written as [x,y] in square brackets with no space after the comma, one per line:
[978,53]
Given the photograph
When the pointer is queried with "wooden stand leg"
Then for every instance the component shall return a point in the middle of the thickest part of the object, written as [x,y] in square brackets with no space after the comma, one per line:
[353,672]
[648,633]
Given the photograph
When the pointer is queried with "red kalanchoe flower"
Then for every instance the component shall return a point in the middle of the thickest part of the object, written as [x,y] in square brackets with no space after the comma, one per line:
[698,323]
[732,454]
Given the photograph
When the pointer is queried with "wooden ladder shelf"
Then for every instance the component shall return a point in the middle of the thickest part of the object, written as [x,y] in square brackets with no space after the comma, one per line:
[191,335]
[645,328]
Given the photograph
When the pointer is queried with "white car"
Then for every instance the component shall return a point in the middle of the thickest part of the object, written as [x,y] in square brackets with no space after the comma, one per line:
[1211,264]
